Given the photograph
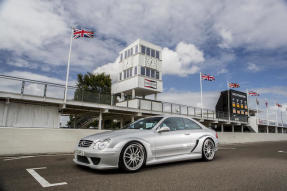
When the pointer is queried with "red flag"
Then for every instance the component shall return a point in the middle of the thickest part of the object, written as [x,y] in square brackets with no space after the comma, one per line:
[82,33]
[278,105]
[207,77]
[252,93]
[233,85]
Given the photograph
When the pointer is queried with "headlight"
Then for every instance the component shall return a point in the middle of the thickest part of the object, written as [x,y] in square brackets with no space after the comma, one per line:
[100,145]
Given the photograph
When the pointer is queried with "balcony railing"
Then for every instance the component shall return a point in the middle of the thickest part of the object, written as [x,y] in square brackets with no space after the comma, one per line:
[56,90]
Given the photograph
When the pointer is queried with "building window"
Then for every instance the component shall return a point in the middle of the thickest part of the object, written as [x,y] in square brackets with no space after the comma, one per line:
[136,70]
[148,72]
[125,74]
[157,54]
[128,73]
[136,49]
[132,51]
[152,52]
[152,73]
[121,57]
[148,51]
[129,52]
[157,75]
[142,49]
[120,76]
[131,72]
[142,70]
[125,54]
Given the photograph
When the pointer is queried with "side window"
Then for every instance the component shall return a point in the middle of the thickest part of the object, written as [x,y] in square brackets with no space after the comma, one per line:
[142,49]
[152,52]
[148,51]
[189,124]
[142,70]
[157,75]
[157,54]
[174,123]
[152,73]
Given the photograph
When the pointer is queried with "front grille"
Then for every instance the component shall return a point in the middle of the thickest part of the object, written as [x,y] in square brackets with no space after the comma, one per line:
[83,159]
[85,143]
[95,160]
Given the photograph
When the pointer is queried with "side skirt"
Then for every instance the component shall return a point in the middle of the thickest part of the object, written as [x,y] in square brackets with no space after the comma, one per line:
[175,158]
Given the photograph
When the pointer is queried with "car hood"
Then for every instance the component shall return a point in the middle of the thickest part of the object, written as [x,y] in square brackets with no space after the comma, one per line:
[117,133]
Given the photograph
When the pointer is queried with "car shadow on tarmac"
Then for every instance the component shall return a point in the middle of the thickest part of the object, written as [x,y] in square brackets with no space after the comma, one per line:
[145,168]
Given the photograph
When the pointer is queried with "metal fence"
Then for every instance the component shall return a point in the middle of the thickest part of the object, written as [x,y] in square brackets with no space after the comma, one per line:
[56,90]
[50,90]
[270,123]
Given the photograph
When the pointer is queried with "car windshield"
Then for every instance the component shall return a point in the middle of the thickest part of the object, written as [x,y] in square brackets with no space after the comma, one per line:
[147,123]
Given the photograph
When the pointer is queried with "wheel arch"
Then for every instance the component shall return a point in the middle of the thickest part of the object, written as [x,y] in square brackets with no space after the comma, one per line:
[201,140]
[145,144]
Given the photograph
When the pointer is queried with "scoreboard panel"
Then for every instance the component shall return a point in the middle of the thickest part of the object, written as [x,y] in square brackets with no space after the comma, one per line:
[237,103]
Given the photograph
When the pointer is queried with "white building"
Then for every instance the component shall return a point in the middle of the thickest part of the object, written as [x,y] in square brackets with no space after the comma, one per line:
[140,71]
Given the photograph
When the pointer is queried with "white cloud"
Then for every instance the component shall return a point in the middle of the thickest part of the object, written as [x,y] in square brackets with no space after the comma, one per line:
[253,67]
[183,61]
[226,36]
[254,24]
[111,68]
[190,98]
[40,30]
[276,90]
[21,63]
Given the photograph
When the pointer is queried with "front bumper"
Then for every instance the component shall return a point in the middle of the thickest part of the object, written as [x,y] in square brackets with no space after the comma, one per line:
[95,159]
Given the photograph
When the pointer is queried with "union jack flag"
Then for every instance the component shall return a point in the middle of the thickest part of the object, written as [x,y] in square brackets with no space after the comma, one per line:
[207,77]
[82,33]
[233,85]
[278,105]
[252,93]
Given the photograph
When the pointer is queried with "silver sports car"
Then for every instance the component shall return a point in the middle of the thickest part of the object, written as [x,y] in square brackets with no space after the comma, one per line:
[147,141]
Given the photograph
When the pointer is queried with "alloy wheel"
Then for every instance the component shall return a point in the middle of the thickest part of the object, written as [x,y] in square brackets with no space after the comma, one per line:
[133,156]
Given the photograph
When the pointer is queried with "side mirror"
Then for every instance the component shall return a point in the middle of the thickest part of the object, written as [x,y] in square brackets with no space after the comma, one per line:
[163,129]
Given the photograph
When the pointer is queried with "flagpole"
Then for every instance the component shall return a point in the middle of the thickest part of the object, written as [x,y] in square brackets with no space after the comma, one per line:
[277,114]
[228,102]
[266,110]
[247,102]
[257,113]
[68,69]
[201,92]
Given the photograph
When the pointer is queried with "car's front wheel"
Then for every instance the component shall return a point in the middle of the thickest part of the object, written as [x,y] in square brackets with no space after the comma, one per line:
[132,157]
[208,150]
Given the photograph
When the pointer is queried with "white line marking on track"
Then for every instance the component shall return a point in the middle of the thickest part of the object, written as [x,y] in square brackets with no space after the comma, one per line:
[282,151]
[32,156]
[44,183]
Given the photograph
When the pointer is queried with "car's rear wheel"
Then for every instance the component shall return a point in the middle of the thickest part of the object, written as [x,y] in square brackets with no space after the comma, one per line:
[132,157]
[208,150]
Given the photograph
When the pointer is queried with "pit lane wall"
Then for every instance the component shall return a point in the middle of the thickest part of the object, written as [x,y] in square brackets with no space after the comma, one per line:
[25,141]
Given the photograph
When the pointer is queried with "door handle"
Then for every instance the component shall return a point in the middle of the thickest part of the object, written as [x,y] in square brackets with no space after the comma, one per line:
[187,134]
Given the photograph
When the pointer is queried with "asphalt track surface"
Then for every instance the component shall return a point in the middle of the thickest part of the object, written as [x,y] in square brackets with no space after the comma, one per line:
[257,166]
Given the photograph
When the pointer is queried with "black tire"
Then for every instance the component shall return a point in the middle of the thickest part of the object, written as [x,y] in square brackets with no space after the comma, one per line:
[124,160]
[208,150]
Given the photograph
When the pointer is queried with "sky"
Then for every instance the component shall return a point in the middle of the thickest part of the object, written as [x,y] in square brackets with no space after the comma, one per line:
[242,41]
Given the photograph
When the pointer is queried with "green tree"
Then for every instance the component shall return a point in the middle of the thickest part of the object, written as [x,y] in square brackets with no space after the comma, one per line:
[91,88]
